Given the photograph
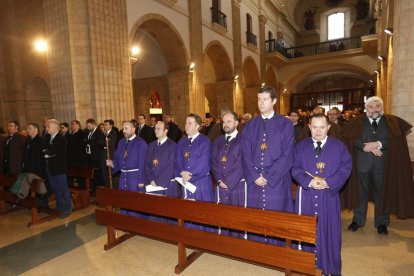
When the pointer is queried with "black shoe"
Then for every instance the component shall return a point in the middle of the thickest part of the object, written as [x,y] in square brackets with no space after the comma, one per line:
[382,230]
[353,226]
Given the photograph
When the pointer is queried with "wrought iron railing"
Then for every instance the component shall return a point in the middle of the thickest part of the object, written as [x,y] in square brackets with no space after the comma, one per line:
[218,17]
[313,49]
[251,38]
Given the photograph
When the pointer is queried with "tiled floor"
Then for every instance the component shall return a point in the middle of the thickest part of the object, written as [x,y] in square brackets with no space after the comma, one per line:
[74,246]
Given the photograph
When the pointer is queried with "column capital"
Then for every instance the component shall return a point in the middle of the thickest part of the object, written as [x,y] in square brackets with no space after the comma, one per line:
[262,19]
[236,3]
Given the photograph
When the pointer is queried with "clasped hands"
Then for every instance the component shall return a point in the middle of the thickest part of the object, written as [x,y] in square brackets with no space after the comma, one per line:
[373,147]
[186,175]
[318,183]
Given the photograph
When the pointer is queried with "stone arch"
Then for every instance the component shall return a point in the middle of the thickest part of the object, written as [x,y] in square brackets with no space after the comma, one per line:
[38,102]
[218,78]
[163,66]
[167,37]
[251,81]
[304,75]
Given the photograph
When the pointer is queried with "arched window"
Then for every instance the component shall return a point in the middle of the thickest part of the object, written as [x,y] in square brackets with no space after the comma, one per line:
[336,26]
[216,4]
[249,22]
[270,35]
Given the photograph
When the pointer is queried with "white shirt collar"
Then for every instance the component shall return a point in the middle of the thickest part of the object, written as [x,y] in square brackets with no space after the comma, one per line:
[269,116]
[323,141]
[194,136]
[371,120]
[132,137]
[232,135]
[163,140]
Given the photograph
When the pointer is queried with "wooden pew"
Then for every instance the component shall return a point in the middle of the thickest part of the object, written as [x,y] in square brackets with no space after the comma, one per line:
[291,227]
[31,202]
[80,195]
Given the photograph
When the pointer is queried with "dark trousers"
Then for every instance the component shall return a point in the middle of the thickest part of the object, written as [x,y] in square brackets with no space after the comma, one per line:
[370,183]
[60,187]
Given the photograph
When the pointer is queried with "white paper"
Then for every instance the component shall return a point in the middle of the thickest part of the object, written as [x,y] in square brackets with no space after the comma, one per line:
[188,185]
[150,188]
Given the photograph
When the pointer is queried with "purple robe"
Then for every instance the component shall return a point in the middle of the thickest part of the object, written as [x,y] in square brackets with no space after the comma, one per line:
[131,162]
[268,151]
[334,163]
[159,166]
[195,158]
[226,166]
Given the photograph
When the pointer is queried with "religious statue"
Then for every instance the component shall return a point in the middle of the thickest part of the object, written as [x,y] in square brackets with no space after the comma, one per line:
[310,21]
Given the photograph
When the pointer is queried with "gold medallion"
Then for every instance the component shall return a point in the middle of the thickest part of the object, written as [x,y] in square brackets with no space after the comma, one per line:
[320,166]
[187,155]
[155,162]
[125,154]
[263,146]
[224,159]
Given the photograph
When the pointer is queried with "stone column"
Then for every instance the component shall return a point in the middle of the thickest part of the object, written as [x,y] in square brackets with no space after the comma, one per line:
[262,46]
[89,59]
[224,96]
[178,87]
[403,65]
[197,96]
[237,56]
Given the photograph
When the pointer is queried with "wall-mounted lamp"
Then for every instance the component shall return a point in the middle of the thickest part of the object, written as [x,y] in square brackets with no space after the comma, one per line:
[284,91]
[371,81]
[381,58]
[377,72]
[389,31]
[191,67]
[263,84]
[235,77]
[135,50]
[40,45]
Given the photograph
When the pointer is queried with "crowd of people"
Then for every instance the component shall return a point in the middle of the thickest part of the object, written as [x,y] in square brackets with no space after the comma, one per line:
[242,160]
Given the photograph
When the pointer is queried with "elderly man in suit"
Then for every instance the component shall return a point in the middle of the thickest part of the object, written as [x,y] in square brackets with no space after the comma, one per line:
[55,154]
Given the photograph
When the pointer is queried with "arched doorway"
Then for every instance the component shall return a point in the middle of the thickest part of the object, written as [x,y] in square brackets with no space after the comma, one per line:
[161,65]
[251,80]
[218,78]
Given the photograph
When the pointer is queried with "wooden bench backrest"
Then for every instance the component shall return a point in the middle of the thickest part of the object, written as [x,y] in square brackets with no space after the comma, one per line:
[80,172]
[278,224]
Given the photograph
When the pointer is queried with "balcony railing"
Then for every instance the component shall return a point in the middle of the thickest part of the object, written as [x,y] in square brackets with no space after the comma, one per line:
[313,49]
[218,17]
[251,38]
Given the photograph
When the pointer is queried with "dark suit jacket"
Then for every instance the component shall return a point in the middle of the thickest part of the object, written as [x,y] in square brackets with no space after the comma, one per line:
[76,149]
[33,161]
[97,144]
[147,133]
[56,162]
[17,145]
[112,142]
[174,132]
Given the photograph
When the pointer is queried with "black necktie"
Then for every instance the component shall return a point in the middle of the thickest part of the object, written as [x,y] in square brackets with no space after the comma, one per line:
[318,147]
[228,139]
[126,144]
[189,140]
[374,124]
[159,143]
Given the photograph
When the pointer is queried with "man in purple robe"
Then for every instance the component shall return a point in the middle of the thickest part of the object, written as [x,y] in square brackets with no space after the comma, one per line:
[159,167]
[321,167]
[192,161]
[129,158]
[226,167]
[267,148]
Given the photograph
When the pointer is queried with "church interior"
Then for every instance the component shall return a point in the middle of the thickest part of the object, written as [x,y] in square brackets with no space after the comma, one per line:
[116,59]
